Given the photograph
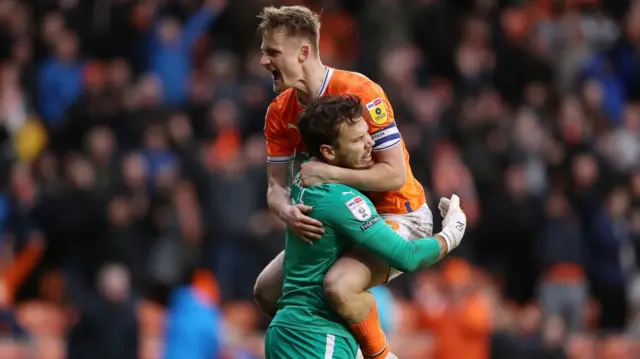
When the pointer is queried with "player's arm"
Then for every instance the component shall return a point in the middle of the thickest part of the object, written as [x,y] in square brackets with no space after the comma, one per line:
[407,256]
[278,192]
[387,174]
[389,171]
[357,220]
[280,155]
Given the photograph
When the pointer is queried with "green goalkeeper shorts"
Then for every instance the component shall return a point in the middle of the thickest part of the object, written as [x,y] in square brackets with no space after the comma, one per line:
[287,343]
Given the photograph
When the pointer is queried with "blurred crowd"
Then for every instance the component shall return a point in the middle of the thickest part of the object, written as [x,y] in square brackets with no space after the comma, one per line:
[133,217]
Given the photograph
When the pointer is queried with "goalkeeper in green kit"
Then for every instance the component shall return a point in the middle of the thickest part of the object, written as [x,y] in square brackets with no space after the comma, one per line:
[305,327]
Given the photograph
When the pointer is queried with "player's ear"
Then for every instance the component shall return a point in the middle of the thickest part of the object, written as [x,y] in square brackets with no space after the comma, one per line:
[327,152]
[305,52]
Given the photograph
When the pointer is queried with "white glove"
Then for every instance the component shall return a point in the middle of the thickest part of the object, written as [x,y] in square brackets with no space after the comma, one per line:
[454,221]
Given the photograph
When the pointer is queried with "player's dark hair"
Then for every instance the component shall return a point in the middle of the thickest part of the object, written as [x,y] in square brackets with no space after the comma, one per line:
[319,124]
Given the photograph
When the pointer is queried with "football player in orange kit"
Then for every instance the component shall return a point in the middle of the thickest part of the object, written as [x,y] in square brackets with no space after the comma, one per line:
[290,41]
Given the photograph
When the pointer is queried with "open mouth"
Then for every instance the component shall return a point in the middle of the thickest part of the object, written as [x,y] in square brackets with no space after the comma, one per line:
[276,74]
[367,157]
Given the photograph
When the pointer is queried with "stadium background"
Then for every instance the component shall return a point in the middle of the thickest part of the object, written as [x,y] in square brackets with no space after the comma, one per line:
[133,173]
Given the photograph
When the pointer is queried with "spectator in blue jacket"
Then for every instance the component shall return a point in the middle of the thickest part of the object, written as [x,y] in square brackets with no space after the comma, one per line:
[60,79]
[170,49]
[194,320]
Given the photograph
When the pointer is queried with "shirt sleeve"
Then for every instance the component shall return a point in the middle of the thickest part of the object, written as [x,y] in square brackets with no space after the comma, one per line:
[380,118]
[280,148]
[357,220]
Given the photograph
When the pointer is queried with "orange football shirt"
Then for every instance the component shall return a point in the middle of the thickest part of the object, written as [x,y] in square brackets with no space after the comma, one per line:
[283,139]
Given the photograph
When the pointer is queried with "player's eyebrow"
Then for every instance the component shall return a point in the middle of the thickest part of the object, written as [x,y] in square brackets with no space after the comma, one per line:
[270,50]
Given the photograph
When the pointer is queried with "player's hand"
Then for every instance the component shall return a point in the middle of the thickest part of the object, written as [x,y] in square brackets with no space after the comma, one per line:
[314,173]
[454,221]
[303,226]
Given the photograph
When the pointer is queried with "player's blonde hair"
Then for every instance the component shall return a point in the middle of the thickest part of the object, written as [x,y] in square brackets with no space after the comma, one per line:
[293,20]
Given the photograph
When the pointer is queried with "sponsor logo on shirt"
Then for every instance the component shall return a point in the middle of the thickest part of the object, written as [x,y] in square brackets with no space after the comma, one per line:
[368,225]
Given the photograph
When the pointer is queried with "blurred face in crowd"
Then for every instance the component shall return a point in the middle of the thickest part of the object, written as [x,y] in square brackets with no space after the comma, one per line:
[169,30]
[557,206]
[114,283]
[585,170]
[180,128]
[22,51]
[22,183]
[284,56]
[618,203]
[134,170]
[352,148]
[527,130]
[81,173]
[118,211]
[224,115]
[572,121]
[254,151]
[48,166]
[155,138]
[67,46]
[102,144]
[516,181]
[119,73]
[52,27]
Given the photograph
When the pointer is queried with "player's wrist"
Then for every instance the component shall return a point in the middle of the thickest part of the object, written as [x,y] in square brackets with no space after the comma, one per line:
[442,245]
[282,211]
[333,174]
[454,230]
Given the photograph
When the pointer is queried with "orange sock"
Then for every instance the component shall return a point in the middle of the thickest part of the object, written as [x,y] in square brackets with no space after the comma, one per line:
[372,340]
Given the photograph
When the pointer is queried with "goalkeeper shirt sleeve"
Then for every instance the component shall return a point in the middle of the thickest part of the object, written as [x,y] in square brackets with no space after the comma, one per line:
[357,220]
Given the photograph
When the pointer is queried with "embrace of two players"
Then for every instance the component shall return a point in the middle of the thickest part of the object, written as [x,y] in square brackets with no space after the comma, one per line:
[339,241]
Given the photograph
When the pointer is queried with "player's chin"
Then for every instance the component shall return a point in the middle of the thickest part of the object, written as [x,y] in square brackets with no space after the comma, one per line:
[279,86]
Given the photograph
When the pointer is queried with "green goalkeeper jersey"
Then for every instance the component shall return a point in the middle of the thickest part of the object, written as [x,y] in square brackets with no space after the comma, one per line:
[349,219]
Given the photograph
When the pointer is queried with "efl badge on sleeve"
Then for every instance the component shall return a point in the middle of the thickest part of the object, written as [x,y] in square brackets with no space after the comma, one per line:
[359,208]
[377,111]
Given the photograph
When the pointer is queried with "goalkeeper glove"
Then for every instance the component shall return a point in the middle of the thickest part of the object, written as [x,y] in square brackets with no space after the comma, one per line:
[454,221]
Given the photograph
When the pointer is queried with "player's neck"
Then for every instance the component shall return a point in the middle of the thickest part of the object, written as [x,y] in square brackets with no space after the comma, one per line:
[309,87]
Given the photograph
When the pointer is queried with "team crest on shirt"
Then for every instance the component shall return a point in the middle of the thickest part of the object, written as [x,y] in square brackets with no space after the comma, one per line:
[377,111]
[359,208]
